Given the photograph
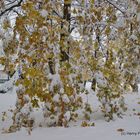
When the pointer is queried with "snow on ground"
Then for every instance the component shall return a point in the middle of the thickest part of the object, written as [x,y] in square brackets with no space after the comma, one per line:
[101,131]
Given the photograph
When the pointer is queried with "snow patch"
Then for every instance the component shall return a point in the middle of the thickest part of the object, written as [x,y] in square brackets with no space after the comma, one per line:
[44,13]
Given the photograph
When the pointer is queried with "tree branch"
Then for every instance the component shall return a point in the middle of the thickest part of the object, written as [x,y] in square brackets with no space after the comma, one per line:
[11,8]
[116,6]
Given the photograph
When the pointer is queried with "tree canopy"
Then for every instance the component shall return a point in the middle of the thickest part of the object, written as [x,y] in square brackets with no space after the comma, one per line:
[59,45]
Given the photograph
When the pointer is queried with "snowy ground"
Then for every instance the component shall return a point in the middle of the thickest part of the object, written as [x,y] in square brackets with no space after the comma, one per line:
[101,131]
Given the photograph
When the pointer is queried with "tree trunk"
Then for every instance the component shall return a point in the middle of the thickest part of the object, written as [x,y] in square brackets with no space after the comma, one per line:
[135,87]
[63,36]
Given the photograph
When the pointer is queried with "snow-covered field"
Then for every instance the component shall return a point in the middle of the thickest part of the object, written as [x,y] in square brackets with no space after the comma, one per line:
[101,131]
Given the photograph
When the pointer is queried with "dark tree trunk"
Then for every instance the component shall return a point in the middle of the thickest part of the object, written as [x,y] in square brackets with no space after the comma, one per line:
[134,87]
[66,16]
[93,86]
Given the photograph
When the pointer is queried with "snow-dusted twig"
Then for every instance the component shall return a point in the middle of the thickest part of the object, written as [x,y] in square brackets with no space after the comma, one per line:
[11,8]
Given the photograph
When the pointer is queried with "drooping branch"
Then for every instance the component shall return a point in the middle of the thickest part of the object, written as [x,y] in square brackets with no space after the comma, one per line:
[11,8]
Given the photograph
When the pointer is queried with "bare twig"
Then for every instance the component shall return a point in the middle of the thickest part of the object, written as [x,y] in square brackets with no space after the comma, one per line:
[116,6]
[11,8]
